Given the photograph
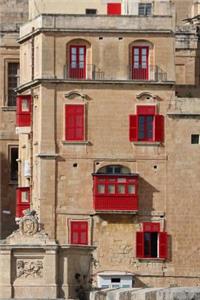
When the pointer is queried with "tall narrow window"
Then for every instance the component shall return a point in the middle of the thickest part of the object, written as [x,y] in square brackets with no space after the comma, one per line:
[77,62]
[151,243]
[79,232]
[74,123]
[13,163]
[13,75]
[147,125]
[140,67]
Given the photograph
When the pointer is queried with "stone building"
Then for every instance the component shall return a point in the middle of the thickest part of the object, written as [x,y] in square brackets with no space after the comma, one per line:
[108,124]
[12,14]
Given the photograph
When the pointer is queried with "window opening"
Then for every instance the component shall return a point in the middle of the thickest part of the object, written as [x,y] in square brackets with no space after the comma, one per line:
[144,9]
[195,139]
[13,76]
[13,163]
[90,11]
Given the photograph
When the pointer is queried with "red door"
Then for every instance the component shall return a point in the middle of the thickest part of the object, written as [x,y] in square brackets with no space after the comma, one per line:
[77,62]
[140,69]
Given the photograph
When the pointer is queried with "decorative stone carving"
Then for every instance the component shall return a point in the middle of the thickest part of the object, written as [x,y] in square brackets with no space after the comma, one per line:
[29,224]
[29,268]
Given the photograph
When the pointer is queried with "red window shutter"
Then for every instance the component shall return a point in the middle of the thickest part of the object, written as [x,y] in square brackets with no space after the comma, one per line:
[146,109]
[133,128]
[163,241]
[114,8]
[151,227]
[79,232]
[74,122]
[159,128]
[140,244]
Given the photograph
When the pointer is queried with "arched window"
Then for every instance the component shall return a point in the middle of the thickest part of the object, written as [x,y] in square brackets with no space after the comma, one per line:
[114,169]
[78,60]
[141,59]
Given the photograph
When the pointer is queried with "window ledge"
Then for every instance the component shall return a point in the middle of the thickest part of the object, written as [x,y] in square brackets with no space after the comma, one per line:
[150,259]
[145,143]
[8,108]
[76,143]
[127,212]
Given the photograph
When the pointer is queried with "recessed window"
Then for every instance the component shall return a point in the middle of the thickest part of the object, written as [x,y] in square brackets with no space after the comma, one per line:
[74,122]
[147,125]
[79,232]
[195,139]
[13,163]
[151,243]
[12,82]
[90,11]
[144,9]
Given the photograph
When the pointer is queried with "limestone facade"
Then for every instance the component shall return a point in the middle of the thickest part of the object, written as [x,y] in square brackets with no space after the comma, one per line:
[66,176]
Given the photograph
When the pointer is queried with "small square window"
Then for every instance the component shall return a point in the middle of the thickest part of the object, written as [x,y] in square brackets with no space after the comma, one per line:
[195,139]
[90,11]
[144,9]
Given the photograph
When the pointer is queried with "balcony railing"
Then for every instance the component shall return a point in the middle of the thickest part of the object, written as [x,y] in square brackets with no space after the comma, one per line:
[131,73]
[147,73]
[87,72]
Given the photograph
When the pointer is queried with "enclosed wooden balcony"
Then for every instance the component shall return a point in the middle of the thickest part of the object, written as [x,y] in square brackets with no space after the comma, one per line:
[115,193]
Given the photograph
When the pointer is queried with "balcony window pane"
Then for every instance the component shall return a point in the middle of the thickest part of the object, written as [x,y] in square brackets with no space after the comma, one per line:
[111,189]
[131,189]
[121,180]
[24,198]
[25,105]
[101,188]
[121,189]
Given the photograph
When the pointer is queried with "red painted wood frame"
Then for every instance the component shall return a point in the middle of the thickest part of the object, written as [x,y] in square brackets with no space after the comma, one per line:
[79,232]
[140,63]
[115,192]
[157,125]
[114,8]
[149,227]
[75,122]
[23,111]
[77,68]
[22,200]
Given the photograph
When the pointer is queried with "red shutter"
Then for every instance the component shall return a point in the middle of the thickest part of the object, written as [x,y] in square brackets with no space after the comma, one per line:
[146,110]
[74,122]
[163,244]
[151,227]
[79,232]
[159,128]
[114,8]
[133,128]
[140,244]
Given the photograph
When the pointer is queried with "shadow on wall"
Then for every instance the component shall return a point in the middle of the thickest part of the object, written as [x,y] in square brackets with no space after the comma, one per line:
[145,195]
[7,199]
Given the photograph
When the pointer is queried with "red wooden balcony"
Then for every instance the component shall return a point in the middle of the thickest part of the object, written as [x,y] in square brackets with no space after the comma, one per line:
[22,200]
[23,116]
[116,193]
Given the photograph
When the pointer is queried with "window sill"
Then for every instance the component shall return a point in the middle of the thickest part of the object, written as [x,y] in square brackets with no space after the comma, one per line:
[145,143]
[76,143]
[8,108]
[150,259]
